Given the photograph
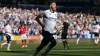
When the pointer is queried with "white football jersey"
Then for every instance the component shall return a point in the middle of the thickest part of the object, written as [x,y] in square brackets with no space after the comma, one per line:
[8,29]
[49,20]
[96,28]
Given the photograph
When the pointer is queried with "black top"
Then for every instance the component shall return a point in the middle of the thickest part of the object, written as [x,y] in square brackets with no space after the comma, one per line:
[65,26]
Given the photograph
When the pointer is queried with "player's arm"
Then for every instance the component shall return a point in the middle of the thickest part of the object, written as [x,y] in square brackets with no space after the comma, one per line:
[19,29]
[38,20]
[57,29]
[26,29]
[99,29]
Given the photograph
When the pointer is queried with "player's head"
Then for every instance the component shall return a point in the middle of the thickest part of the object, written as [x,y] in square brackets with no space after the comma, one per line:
[22,23]
[53,5]
[10,21]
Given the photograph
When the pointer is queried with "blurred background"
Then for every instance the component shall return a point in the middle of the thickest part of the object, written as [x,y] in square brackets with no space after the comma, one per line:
[91,5]
[80,14]
[76,12]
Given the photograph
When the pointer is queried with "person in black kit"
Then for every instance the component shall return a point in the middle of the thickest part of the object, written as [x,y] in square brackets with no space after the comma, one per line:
[48,27]
[64,33]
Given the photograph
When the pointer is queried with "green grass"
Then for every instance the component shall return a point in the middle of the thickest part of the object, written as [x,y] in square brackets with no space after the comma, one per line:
[84,48]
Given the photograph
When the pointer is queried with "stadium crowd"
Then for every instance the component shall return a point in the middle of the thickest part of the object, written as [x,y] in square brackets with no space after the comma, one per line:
[77,21]
[17,16]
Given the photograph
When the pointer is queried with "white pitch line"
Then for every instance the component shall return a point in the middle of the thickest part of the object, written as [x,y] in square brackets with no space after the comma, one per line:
[57,50]
[75,50]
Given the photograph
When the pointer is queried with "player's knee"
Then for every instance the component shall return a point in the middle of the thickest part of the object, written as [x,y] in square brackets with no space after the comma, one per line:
[54,42]
[8,41]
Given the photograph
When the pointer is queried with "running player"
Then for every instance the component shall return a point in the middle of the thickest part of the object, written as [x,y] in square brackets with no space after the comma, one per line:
[78,30]
[95,30]
[23,31]
[8,32]
[64,33]
[48,26]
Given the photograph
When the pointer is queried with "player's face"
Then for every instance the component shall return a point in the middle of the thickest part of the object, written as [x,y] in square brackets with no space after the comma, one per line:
[10,22]
[53,6]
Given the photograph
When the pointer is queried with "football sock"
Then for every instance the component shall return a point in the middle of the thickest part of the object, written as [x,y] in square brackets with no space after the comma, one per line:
[77,41]
[8,46]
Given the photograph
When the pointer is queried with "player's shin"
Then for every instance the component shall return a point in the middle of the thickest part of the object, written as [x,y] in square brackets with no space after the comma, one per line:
[97,40]
[23,43]
[64,44]
[77,40]
[52,44]
[35,52]
[40,47]
[8,48]
[67,44]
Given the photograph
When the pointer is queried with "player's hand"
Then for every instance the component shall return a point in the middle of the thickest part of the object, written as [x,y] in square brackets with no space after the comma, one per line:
[58,31]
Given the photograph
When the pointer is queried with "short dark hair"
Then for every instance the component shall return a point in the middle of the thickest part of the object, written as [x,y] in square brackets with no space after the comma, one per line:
[52,1]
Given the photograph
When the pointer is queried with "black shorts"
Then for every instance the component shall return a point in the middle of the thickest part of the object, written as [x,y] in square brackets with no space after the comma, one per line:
[96,34]
[64,34]
[77,34]
[47,36]
[8,37]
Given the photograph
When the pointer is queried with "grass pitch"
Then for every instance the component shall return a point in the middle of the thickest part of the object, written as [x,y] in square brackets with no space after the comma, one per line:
[84,48]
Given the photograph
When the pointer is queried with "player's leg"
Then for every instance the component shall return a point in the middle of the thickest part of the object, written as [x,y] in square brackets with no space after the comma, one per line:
[63,39]
[51,45]
[44,42]
[23,41]
[64,44]
[77,41]
[78,38]
[26,40]
[9,45]
[96,38]
[67,44]
[3,44]
[25,44]
[8,42]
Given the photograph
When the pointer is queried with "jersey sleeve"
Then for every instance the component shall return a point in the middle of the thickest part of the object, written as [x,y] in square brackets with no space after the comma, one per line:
[26,28]
[5,28]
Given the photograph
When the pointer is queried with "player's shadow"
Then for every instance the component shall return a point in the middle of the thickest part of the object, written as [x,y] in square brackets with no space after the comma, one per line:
[63,55]
[20,51]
